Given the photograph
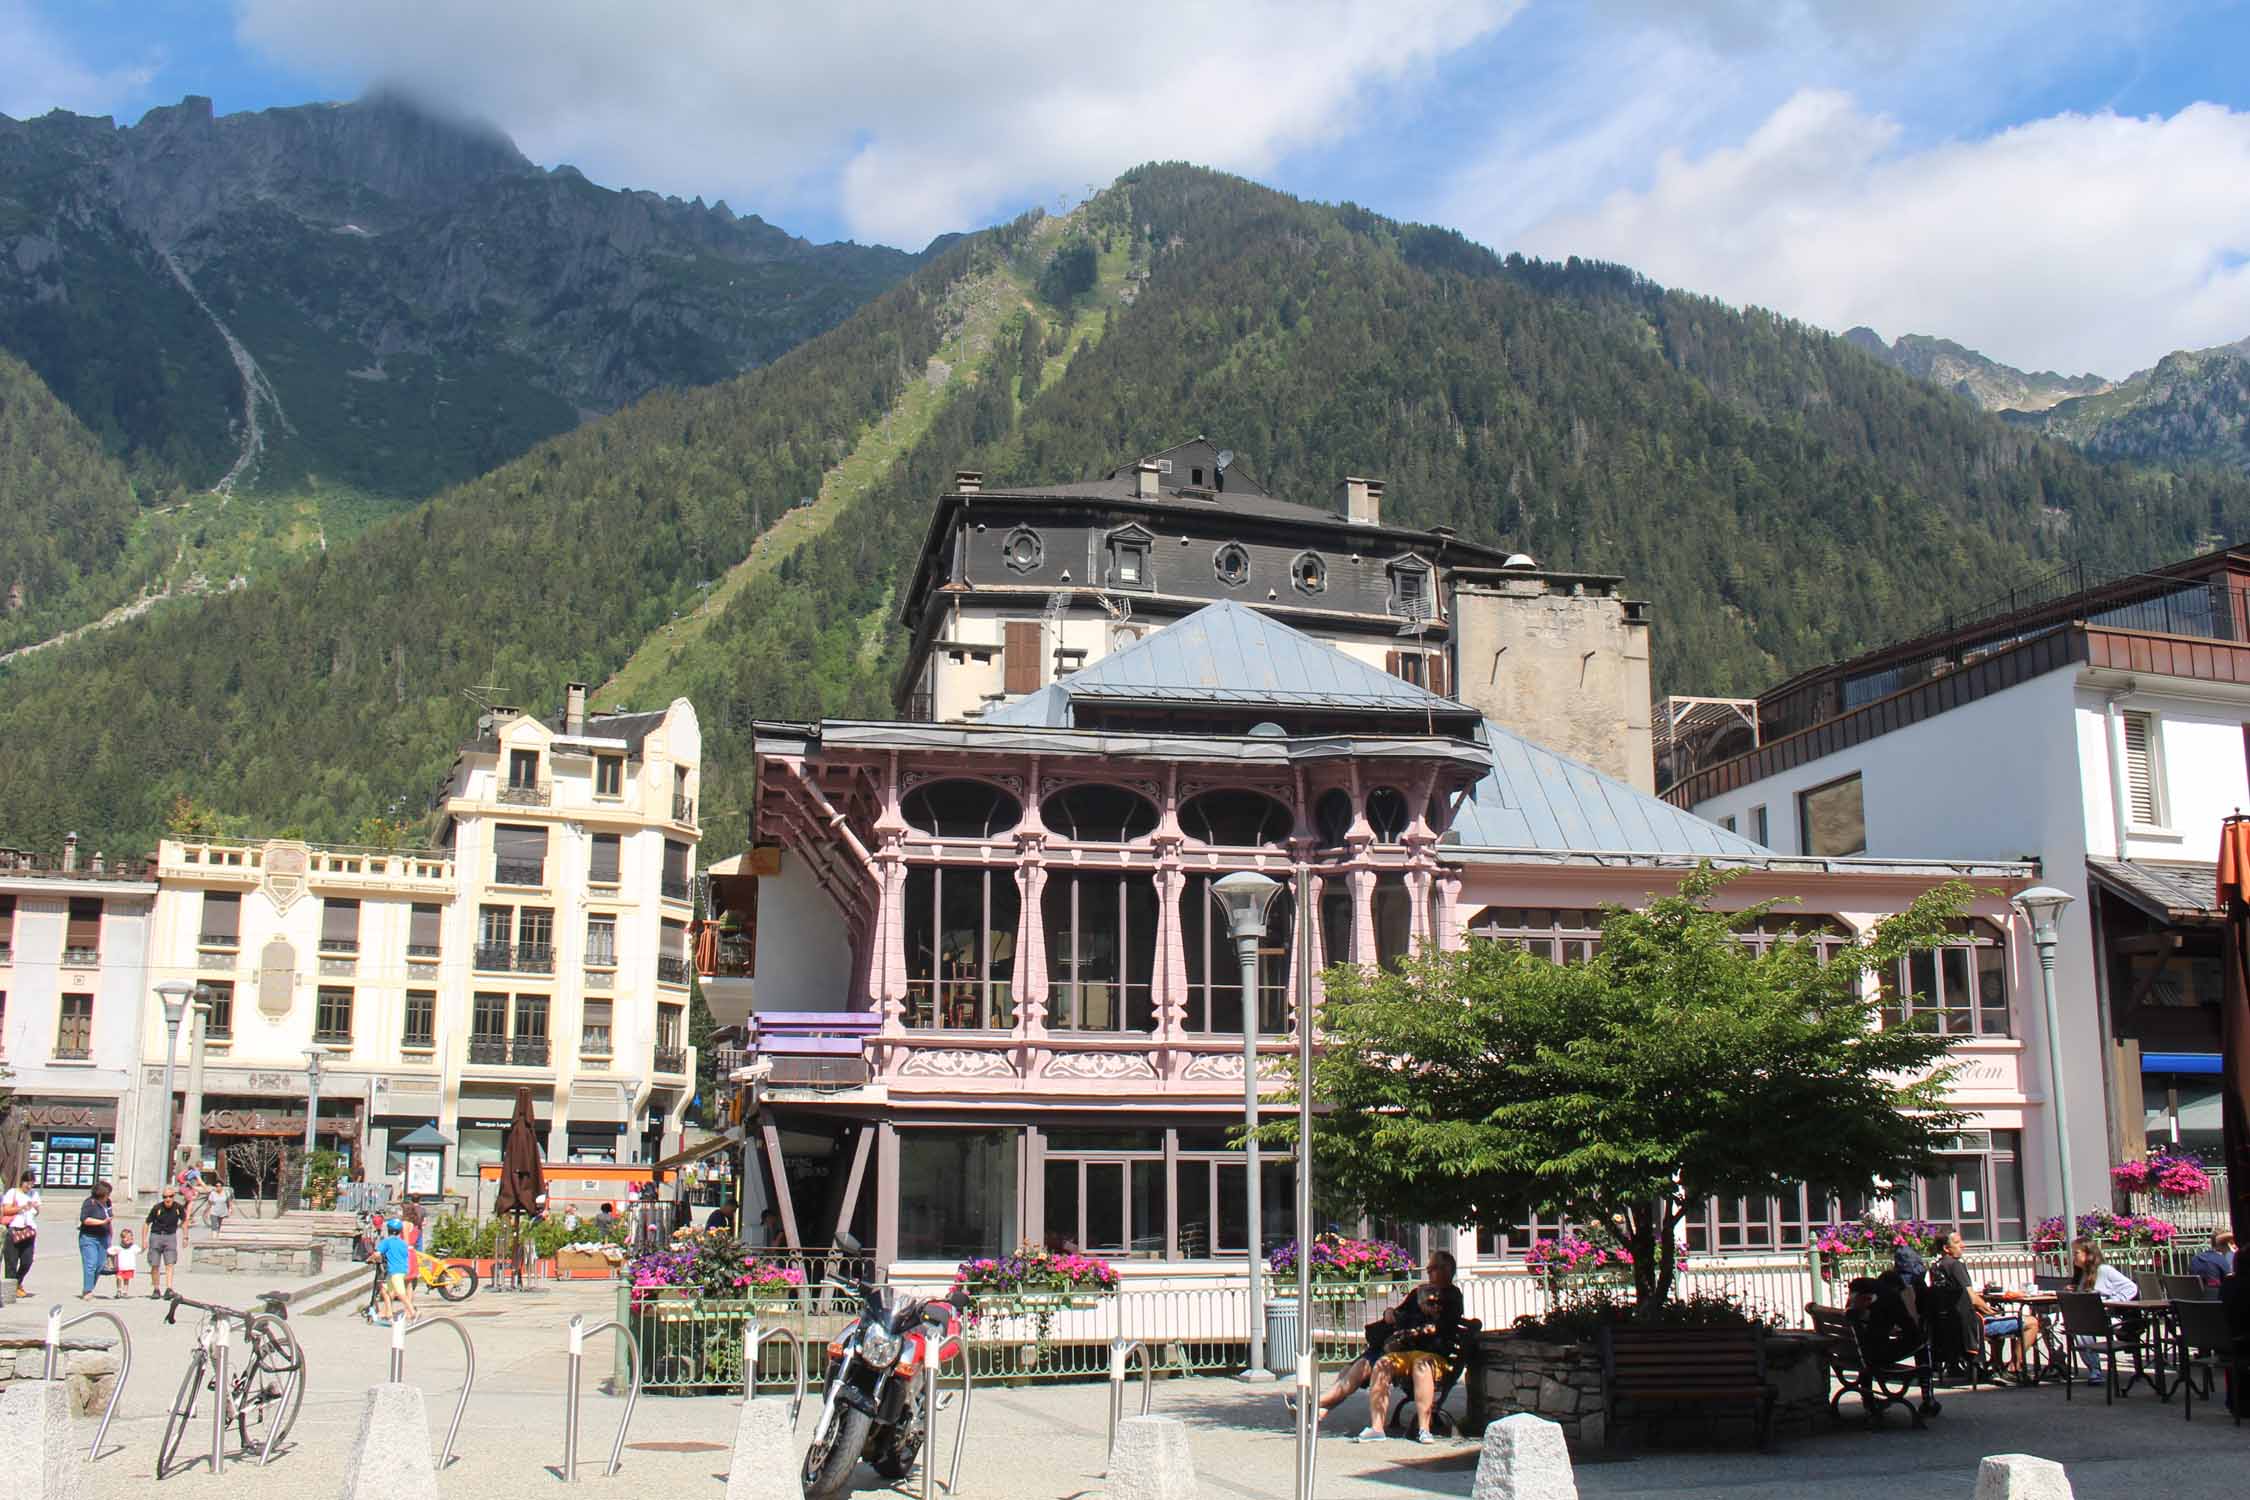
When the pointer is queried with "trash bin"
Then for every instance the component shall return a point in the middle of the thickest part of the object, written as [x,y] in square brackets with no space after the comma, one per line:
[1281,1335]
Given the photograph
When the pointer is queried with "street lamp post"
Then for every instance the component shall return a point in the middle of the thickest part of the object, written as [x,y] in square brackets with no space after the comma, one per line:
[2041,906]
[313,1055]
[1245,896]
[1301,971]
[175,994]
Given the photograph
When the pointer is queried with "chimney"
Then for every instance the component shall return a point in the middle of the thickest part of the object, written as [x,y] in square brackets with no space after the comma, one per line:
[70,851]
[99,864]
[1361,501]
[1145,480]
[574,708]
[967,481]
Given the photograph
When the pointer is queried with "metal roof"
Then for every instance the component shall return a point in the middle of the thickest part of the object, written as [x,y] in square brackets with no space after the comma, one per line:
[2170,890]
[1537,799]
[1228,653]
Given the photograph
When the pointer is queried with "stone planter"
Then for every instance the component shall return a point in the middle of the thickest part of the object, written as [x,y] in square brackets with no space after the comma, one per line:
[1563,1383]
[89,1368]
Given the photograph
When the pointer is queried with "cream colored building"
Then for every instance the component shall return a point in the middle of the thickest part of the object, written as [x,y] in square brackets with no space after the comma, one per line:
[543,943]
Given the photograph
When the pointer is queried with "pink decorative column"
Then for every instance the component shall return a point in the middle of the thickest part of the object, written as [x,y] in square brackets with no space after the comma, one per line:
[1449,935]
[887,943]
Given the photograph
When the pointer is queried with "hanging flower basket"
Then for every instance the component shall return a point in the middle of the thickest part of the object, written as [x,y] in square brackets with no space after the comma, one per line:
[1869,1245]
[1344,1269]
[2128,1241]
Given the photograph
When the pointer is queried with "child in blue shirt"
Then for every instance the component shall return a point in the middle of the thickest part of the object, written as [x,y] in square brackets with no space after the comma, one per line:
[396,1258]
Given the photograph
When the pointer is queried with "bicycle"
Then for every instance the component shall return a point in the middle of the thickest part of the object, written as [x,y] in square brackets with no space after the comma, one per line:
[262,1396]
[453,1283]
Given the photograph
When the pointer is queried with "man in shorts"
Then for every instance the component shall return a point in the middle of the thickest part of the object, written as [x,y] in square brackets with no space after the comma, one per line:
[165,1221]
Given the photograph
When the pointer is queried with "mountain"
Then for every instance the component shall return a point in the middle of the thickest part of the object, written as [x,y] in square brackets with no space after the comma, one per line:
[1990,384]
[2192,407]
[1781,496]
[369,296]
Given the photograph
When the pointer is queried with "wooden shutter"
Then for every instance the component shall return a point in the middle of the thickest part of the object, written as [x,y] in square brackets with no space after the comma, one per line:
[85,929]
[222,916]
[675,861]
[1390,664]
[514,845]
[339,922]
[602,864]
[1437,673]
[422,927]
[2140,771]
[1019,662]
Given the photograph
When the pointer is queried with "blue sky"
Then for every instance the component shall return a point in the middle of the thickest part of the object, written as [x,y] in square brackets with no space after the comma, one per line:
[2062,185]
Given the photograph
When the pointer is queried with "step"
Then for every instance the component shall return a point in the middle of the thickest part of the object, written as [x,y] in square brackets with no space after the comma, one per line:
[341,1289]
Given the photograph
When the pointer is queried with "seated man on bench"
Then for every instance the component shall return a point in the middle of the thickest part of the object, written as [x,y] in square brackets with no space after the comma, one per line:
[1432,1315]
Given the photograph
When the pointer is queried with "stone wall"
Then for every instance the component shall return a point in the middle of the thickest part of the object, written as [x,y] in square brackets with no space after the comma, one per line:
[302,1259]
[1563,1383]
[89,1368]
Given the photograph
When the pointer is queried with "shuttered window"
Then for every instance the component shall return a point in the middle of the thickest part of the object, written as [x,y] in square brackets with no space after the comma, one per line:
[601,866]
[422,929]
[82,939]
[339,926]
[8,921]
[675,939]
[519,855]
[2142,771]
[222,919]
[1020,660]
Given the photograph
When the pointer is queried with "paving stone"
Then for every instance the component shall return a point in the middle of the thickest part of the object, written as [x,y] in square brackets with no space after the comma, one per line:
[390,1459]
[1151,1461]
[36,1443]
[1524,1458]
[765,1453]
[2019,1476]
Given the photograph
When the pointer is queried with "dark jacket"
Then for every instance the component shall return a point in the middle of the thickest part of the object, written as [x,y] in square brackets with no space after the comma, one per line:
[1953,1308]
[1415,1329]
[95,1208]
[2212,1267]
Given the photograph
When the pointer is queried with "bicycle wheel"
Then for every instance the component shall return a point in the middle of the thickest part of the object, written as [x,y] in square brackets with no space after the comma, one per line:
[457,1283]
[183,1411]
[265,1399]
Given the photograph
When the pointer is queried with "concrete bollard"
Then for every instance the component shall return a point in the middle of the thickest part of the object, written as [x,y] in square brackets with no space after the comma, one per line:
[1524,1458]
[390,1459]
[35,1440]
[2019,1476]
[765,1454]
[1151,1461]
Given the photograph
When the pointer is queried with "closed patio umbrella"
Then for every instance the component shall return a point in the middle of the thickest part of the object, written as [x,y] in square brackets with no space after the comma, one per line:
[2234,1016]
[523,1180]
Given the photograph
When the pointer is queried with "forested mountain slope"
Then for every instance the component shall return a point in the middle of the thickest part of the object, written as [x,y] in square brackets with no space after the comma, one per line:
[369,296]
[1780,495]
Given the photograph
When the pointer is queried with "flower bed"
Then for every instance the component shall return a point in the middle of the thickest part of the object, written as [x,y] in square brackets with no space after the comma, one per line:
[1571,1263]
[713,1266]
[2126,1239]
[1869,1244]
[1342,1266]
[1032,1277]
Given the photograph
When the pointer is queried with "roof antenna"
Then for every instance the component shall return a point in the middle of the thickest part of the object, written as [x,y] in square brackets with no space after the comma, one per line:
[1219,469]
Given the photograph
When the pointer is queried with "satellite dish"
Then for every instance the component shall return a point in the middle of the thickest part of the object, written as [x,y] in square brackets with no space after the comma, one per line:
[1226,457]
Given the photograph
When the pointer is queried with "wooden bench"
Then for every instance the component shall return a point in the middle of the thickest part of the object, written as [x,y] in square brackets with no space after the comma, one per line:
[1878,1387]
[1702,1366]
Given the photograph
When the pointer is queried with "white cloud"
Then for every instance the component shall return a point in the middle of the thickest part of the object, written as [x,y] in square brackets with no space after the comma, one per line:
[922,117]
[41,73]
[2073,242]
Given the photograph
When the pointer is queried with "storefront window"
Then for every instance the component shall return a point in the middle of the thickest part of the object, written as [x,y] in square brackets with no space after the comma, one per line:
[1213,1197]
[956,1193]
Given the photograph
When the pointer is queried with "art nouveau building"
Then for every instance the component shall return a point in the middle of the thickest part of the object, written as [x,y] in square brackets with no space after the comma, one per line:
[988,1001]
[542,942]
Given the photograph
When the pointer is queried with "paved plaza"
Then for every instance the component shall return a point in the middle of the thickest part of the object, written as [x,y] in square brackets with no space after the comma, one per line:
[1047,1441]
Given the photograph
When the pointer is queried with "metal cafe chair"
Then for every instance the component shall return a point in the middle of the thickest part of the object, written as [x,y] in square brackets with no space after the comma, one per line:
[2209,1345]
[2087,1329]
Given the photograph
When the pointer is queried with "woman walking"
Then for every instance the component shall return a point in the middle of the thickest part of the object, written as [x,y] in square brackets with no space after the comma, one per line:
[19,1224]
[94,1217]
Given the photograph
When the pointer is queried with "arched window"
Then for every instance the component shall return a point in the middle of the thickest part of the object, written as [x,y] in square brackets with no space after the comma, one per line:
[1309,573]
[961,809]
[1332,815]
[1214,968]
[1232,565]
[1099,814]
[1960,989]
[1236,819]
[1387,814]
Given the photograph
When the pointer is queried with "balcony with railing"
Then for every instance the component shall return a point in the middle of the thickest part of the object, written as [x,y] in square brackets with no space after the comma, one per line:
[671,971]
[535,958]
[524,793]
[423,950]
[674,890]
[499,958]
[519,872]
[504,1052]
[340,947]
[671,1059]
[683,808]
[224,864]
[83,958]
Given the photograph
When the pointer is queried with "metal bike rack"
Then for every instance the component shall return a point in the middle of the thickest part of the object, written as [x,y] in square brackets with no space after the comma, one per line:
[219,1396]
[579,1333]
[752,1337]
[56,1323]
[288,1391]
[929,1426]
[1121,1357]
[399,1331]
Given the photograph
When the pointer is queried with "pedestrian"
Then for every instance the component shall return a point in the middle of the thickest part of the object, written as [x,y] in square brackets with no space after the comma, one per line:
[19,1220]
[1415,1341]
[768,1231]
[2213,1266]
[397,1258]
[604,1220]
[218,1204]
[411,1218]
[165,1220]
[128,1259]
[94,1216]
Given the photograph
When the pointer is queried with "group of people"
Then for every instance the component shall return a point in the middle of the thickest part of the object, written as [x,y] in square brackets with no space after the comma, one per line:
[1418,1343]
[106,1247]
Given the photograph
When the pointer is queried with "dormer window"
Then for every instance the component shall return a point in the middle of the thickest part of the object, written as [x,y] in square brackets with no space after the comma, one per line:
[1023,550]
[1232,565]
[1195,477]
[523,769]
[1129,557]
[1410,590]
[1309,573]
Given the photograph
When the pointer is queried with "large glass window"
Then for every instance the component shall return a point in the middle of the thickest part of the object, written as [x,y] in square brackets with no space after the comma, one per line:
[1101,946]
[1960,989]
[1099,814]
[956,1193]
[1394,921]
[218,1018]
[1104,1192]
[1214,971]
[1832,819]
[74,1027]
[1214,1203]
[1977,1188]
[420,1028]
[332,1016]
[961,947]
[1336,921]
[961,810]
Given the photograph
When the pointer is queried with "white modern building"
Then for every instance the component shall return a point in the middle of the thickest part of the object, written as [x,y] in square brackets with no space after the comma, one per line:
[2102,732]
[542,943]
[73,988]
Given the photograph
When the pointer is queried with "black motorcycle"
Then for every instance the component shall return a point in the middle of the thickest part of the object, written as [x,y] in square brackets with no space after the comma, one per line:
[872,1404]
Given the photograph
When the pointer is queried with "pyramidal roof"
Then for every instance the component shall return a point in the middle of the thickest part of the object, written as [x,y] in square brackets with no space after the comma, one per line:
[1538,799]
[1227,653]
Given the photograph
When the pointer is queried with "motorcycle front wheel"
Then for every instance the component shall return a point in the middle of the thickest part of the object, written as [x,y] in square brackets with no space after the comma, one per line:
[897,1447]
[829,1465]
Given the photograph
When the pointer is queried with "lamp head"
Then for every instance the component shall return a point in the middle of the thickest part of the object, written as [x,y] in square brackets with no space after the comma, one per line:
[1245,896]
[174,993]
[2041,905]
[313,1055]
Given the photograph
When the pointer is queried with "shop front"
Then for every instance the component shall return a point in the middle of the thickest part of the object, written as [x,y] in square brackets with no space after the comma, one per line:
[69,1143]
